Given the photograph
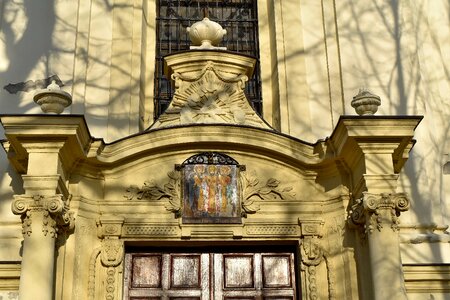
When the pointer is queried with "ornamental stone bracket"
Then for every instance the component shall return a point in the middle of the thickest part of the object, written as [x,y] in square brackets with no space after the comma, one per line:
[374,211]
[312,254]
[112,251]
[55,212]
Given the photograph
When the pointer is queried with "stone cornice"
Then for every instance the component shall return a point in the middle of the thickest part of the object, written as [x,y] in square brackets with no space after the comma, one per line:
[235,63]
[245,138]
[69,133]
[375,133]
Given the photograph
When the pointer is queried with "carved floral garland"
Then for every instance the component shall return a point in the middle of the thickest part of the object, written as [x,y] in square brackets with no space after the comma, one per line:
[252,192]
[151,191]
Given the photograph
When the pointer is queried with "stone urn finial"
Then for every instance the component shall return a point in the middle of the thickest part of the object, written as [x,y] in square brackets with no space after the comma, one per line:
[365,103]
[52,99]
[206,34]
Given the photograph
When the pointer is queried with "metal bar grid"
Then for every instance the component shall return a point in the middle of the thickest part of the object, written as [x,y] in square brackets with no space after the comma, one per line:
[238,17]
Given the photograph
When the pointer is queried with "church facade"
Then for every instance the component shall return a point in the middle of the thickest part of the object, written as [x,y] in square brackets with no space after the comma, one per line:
[225,150]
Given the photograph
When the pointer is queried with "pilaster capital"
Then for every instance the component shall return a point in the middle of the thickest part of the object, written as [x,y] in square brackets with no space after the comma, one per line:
[54,209]
[109,226]
[311,228]
[376,210]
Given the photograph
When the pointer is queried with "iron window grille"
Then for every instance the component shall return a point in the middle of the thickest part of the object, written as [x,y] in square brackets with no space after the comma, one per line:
[238,17]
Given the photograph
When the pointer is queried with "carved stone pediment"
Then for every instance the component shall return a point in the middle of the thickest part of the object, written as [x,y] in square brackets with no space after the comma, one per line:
[210,92]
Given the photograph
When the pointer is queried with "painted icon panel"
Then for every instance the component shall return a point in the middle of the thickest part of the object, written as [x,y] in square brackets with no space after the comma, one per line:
[211,193]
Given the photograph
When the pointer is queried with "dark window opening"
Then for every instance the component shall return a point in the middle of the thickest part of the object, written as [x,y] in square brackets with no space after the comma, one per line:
[238,17]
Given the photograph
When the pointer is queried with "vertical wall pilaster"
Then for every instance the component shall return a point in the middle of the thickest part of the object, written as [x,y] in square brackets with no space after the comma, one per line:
[377,215]
[375,149]
[42,217]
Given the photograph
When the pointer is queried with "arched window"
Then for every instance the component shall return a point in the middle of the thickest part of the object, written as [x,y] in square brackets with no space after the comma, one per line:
[238,17]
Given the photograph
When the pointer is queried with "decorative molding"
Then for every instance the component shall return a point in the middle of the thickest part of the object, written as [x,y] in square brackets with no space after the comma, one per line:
[55,210]
[273,230]
[426,279]
[110,283]
[424,233]
[149,231]
[210,96]
[253,191]
[376,210]
[331,278]
[420,238]
[91,282]
[171,191]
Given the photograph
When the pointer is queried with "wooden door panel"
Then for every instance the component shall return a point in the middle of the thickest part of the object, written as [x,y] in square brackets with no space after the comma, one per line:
[146,271]
[209,276]
[276,271]
[185,271]
[238,271]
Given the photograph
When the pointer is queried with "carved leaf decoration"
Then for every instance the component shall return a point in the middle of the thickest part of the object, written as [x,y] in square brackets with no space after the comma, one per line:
[252,192]
[153,192]
[272,182]
[265,190]
[250,206]
[132,192]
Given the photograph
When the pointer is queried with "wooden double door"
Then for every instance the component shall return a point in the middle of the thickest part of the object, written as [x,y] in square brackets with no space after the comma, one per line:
[206,275]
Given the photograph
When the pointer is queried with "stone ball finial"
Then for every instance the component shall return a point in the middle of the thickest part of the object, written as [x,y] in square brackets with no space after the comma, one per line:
[52,99]
[206,34]
[365,103]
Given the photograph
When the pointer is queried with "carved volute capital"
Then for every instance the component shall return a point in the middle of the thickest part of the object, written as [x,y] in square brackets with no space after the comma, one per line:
[376,210]
[54,209]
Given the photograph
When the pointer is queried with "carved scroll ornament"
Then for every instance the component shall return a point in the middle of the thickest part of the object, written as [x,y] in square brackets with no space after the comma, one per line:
[376,210]
[55,210]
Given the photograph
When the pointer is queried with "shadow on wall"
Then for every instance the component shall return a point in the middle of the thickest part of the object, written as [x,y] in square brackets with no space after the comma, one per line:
[392,48]
[25,44]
